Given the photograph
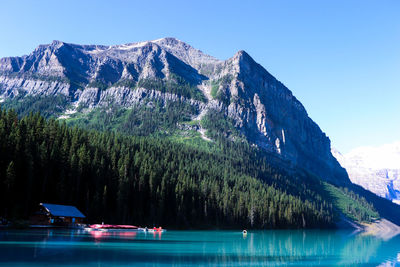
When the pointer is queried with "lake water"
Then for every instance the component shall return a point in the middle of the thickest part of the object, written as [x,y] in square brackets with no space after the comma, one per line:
[194,248]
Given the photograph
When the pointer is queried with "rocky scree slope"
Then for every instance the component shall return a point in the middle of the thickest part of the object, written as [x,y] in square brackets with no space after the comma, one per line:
[261,107]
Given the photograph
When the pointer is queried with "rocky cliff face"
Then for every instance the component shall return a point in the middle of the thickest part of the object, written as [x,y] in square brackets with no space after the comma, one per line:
[376,169]
[262,108]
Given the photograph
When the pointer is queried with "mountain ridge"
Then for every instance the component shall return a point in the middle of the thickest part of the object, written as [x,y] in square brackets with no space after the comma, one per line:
[263,110]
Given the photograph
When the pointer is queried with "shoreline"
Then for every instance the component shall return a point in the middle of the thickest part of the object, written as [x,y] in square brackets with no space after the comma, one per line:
[382,228]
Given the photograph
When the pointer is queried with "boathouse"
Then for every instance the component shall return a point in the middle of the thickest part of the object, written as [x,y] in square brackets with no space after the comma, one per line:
[53,214]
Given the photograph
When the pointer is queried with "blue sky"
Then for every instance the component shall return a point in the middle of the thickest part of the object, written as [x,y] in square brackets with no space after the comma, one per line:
[340,58]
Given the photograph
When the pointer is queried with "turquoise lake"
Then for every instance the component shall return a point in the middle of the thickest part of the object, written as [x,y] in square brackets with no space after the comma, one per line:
[196,248]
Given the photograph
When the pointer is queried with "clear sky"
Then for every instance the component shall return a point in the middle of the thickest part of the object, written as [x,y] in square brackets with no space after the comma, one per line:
[340,58]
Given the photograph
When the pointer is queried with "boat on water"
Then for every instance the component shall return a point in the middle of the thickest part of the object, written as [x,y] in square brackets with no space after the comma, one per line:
[122,228]
[153,230]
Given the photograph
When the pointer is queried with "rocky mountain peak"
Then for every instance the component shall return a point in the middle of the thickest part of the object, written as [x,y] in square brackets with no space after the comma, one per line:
[191,56]
[52,47]
[242,56]
[262,108]
[56,43]
[172,42]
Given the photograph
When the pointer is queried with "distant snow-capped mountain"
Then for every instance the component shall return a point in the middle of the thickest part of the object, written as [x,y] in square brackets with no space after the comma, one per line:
[376,169]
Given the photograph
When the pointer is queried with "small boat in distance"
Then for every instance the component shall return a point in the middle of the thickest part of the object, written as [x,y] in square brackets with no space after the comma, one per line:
[153,230]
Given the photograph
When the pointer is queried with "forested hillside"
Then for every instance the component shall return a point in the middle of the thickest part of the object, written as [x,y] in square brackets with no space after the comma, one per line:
[146,181]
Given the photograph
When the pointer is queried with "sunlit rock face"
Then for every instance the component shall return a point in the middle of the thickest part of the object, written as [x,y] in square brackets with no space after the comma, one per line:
[377,169]
[262,108]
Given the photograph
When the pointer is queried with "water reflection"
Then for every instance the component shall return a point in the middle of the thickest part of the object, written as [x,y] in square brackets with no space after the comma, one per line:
[51,247]
[102,235]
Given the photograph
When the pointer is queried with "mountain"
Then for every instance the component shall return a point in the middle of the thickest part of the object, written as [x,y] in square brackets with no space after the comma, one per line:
[158,131]
[180,91]
[376,169]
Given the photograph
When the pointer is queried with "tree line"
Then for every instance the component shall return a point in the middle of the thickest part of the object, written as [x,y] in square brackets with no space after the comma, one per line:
[147,180]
